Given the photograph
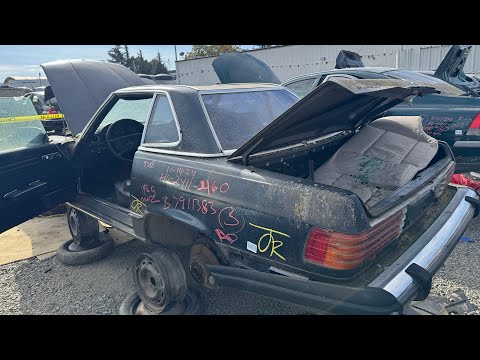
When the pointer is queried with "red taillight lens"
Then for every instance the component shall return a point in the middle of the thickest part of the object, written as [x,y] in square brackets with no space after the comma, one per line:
[344,251]
[474,128]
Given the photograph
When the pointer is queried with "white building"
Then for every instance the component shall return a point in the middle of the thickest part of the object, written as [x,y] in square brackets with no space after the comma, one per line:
[293,60]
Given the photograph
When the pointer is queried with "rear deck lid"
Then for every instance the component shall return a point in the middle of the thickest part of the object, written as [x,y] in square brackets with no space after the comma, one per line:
[337,105]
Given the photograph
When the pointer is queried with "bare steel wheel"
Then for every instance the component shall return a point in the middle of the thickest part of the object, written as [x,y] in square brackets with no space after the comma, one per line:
[86,245]
[84,230]
[160,280]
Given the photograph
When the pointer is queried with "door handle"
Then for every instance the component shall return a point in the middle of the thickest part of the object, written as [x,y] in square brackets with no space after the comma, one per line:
[15,194]
[52,156]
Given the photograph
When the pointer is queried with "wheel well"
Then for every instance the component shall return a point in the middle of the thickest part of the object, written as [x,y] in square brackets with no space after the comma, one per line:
[169,232]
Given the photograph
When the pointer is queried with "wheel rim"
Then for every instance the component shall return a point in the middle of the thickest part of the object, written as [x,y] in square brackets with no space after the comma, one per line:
[73,222]
[151,282]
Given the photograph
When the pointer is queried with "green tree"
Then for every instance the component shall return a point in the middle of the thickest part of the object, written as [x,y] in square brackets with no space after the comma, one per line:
[210,50]
[157,66]
[142,65]
[116,54]
[128,58]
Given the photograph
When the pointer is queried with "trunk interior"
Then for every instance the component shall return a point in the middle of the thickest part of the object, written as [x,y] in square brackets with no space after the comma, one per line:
[373,162]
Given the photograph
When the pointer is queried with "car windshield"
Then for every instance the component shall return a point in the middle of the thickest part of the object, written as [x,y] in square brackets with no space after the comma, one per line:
[237,116]
[20,124]
[423,79]
[128,108]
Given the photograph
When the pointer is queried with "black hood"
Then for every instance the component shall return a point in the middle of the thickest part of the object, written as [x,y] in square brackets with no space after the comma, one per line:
[243,68]
[451,70]
[336,105]
[81,86]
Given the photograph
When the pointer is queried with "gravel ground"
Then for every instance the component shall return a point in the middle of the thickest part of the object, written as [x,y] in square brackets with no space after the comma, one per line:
[49,287]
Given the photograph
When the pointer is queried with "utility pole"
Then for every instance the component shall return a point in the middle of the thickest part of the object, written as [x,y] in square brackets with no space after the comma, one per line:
[175,53]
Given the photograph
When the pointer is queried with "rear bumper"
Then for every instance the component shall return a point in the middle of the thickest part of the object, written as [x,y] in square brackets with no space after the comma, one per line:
[389,293]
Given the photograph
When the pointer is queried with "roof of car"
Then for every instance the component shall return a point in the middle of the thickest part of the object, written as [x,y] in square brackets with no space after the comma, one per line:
[168,87]
[374,69]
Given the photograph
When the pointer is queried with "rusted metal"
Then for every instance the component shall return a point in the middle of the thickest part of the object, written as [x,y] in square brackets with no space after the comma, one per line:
[200,256]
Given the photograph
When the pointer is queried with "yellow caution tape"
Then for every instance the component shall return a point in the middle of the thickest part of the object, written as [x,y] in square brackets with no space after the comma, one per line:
[30,118]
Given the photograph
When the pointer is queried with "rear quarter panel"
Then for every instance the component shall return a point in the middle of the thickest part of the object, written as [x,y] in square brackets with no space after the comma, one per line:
[259,214]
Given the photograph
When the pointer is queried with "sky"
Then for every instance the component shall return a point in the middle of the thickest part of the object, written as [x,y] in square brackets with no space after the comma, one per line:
[25,60]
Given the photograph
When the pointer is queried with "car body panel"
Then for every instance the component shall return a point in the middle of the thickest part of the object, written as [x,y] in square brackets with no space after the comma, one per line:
[451,70]
[237,68]
[257,218]
[81,86]
[445,117]
[34,179]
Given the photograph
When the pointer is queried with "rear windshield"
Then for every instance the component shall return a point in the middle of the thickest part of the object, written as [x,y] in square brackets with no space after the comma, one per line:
[237,116]
[423,79]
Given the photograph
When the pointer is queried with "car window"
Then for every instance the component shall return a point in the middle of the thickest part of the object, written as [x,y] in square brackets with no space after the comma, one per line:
[20,125]
[128,108]
[237,116]
[301,87]
[162,126]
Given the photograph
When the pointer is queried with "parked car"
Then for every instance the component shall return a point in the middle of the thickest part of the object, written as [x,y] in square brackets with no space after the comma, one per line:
[291,199]
[45,103]
[451,70]
[451,116]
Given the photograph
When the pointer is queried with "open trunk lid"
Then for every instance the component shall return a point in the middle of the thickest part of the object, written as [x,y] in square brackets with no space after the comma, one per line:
[81,86]
[451,70]
[337,105]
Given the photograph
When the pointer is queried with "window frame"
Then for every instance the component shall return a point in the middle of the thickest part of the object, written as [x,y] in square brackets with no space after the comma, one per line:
[149,119]
[228,152]
[314,84]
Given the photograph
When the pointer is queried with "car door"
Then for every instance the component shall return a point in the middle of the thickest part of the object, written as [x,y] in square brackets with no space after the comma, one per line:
[34,171]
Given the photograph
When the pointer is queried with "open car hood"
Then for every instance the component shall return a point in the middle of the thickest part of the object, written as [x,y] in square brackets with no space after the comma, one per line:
[451,70]
[336,105]
[243,68]
[81,86]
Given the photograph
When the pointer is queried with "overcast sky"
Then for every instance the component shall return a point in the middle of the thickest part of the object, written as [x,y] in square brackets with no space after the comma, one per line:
[25,60]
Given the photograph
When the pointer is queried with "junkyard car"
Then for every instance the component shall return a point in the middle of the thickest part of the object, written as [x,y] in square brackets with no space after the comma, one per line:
[451,116]
[307,201]
[45,104]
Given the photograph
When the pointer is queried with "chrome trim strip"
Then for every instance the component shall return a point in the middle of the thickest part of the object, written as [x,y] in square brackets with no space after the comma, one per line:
[298,145]
[448,227]
[149,119]
[217,140]
[466,144]
[181,153]
[249,89]
[287,273]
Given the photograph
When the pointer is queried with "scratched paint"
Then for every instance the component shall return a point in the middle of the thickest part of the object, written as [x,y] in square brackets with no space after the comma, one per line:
[138,206]
[179,176]
[205,185]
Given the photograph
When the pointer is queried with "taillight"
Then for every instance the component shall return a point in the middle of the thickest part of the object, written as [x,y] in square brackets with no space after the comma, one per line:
[474,128]
[341,251]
